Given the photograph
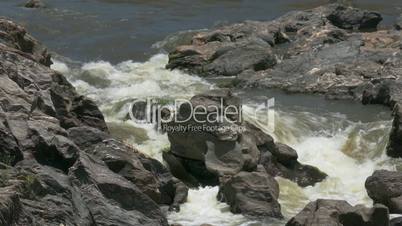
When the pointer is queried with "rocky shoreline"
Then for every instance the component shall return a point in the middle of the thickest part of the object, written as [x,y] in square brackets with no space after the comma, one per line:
[60,166]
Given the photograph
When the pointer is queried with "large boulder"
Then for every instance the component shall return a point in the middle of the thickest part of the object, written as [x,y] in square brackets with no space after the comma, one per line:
[340,213]
[253,194]
[385,187]
[202,152]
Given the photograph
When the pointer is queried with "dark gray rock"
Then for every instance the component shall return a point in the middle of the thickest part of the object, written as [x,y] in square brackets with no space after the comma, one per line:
[252,194]
[34,4]
[396,222]
[202,156]
[352,18]
[340,213]
[385,187]
[105,192]
[303,175]
[147,174]
[398,24]
[58,163]
[394,148]
[15,37]
[285,154]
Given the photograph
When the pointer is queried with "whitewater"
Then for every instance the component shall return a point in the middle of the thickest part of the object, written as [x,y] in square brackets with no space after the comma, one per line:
[348,150]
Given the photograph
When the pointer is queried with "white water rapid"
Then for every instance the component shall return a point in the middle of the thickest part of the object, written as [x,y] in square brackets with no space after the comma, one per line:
[347,150]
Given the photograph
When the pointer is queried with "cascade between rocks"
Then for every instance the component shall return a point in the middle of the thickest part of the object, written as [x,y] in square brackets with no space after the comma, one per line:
[345,148]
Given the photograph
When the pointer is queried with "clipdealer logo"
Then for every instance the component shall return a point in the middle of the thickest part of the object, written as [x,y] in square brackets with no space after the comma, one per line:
[175,116]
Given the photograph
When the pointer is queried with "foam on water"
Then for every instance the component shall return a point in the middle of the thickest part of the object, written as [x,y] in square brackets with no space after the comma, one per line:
[347,151]
[113,87]
[202,207]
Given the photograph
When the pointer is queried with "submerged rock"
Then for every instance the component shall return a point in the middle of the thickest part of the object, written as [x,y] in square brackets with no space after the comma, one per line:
[337,213]
[385,187]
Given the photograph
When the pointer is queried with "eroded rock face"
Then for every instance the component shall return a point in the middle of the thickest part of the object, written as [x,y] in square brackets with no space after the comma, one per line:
[58,163]
[333,50]
[253,194]
[15,37]
[340,213]
[385,187]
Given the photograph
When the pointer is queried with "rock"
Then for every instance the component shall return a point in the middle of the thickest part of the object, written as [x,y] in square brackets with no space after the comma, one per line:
[58,163]
[303,175]
[396,222]
[15,37]
[10,152]
[337,212]
[285,154]
[10,206]
[252,194]
[320,51]
[398,25]
[394,148]
[221,155]
[149,175]
[351,18]
[34,4]
[385,187]
[102,190]
[219,149]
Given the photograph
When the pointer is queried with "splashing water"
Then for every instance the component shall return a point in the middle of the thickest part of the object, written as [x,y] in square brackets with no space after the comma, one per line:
[113,87]
[202,207]
[348,151]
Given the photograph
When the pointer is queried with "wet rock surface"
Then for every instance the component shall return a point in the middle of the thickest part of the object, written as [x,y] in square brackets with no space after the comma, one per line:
[333,50]
[385,187]
[253,194]
[232,153]
[398,24]
[58,163]
[337,212]
[396,222]
[34,4]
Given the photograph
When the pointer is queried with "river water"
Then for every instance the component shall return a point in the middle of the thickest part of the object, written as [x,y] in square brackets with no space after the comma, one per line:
[110,53]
